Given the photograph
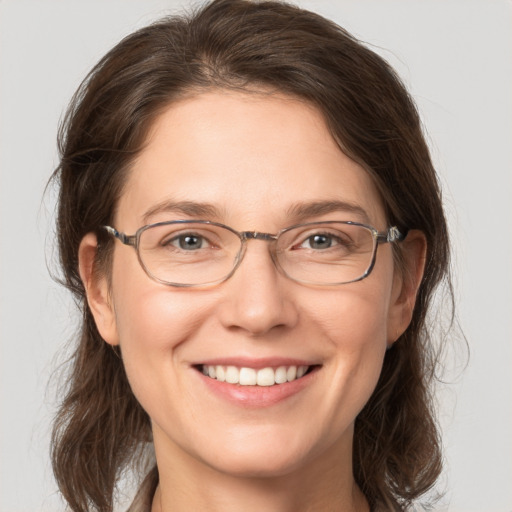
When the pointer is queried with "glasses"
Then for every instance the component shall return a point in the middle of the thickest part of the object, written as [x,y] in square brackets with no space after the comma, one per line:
[186,253]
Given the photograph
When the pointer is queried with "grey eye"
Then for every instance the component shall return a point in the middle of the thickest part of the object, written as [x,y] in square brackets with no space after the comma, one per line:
[188,242]
[320,241]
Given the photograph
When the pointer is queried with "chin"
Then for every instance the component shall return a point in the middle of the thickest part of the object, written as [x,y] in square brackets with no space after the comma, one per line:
[260,466]
[260,456]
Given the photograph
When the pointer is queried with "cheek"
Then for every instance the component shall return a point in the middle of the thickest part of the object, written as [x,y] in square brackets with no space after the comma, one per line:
[154,327]
[153,321]
[355,318]
[355,326]
[148,315]
[359,338]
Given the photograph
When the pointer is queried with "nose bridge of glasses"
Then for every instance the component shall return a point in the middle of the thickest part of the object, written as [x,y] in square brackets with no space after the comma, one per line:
[256,235]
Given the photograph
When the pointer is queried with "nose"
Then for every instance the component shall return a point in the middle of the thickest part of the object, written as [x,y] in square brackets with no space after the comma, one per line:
[257,298]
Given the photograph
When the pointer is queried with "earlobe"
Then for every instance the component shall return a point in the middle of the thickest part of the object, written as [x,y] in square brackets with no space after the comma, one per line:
[407,283]
[97,290]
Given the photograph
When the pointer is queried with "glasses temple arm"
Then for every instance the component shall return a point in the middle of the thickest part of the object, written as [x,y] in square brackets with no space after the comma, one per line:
[392,235]
[125,239]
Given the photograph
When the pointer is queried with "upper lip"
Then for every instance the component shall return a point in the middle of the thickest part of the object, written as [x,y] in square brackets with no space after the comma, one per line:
[256,363]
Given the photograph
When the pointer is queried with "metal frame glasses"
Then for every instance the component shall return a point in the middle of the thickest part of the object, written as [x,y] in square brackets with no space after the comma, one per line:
[188,253]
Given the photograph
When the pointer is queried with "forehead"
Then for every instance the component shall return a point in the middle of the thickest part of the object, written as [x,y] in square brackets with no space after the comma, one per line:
[251,158]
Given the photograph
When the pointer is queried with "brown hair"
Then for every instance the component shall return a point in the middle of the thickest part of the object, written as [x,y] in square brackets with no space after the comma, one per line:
[241,44]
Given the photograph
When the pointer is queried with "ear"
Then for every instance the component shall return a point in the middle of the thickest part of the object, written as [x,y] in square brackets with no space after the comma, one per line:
[97,290]
[406,284]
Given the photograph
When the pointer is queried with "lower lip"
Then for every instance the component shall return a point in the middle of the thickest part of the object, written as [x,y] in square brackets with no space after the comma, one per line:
[257,396]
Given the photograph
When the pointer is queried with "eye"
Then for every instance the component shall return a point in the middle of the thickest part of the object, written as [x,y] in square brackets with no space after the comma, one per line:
[320,241]
[188,242]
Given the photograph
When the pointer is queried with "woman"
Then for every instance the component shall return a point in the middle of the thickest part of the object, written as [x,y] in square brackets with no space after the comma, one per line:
[251,222]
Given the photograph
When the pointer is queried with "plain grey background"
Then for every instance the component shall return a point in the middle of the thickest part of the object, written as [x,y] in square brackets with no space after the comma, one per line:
[456,58]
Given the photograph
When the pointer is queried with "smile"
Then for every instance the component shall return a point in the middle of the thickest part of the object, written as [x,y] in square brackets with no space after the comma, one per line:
[245,376]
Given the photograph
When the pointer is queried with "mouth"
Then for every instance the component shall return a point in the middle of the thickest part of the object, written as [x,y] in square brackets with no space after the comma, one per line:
[261,377]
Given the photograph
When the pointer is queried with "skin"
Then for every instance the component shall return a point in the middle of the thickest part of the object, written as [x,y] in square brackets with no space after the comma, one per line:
[252,156]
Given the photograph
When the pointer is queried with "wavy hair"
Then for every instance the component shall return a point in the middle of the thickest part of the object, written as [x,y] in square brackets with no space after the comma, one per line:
[239,44]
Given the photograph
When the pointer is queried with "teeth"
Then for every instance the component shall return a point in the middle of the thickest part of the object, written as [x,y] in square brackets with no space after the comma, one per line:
[281,377]
[220,373]
[291,373]
[251,377]
[266,377]
[232,375]
[248,377]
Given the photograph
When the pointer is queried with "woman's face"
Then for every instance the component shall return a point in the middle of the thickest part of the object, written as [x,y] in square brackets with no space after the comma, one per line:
[252,162]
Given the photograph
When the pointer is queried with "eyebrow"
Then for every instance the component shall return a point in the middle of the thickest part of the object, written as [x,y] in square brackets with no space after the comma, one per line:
[189,208]
[298,212]
[302,211]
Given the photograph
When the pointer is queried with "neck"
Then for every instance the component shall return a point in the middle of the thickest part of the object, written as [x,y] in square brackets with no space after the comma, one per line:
[324,484]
